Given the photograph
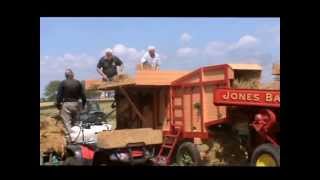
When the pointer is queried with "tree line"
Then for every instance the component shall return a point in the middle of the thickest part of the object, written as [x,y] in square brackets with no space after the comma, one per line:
[51,90]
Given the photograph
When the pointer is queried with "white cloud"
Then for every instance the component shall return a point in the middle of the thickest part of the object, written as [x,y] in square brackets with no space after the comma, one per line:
[53,67]
[216,48]
[84,65]
[185,38]
[69,56]
[127,54]
[187,52]
[246,41]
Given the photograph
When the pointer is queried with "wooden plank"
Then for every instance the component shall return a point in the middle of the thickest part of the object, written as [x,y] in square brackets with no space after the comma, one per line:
[196,118]
[191,109]
[164,114]
[111,85]
[148,115]
[132,104]
[230,73]
[202,100]
[245,66]
[157,77]
[155,109]
[212,110]
[123,115]
[276,69]
[187,109]
[120,138]
[92,84]
[213,75]
[193,79]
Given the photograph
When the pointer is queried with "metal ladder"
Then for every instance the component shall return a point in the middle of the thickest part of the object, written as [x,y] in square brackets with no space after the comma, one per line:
[171,139]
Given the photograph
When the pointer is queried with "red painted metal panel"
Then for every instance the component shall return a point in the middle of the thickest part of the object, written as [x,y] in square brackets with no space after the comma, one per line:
[186,76]
[202,99]
[182,104]
[247,97]
[198,71]
[213,82]
[171,104]
[226,76]
[215,67]
[216,122]
[191,109]
[202,135]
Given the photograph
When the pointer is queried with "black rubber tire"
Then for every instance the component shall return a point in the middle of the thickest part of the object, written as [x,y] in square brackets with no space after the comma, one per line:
[192,151]
[72,161]
[101,158]
[270,149]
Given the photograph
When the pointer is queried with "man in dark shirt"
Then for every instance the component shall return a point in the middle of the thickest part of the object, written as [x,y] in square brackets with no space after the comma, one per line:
[107,66]
[69,93]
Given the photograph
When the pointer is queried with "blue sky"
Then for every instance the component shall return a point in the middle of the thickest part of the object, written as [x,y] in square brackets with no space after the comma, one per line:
[183,43]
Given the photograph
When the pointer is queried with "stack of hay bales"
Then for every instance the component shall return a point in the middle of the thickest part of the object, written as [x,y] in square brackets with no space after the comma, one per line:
[246,84]
[118,80]
[223,150]
[249,81]
[52,135]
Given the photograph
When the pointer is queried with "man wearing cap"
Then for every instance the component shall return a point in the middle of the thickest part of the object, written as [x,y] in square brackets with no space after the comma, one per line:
[107,65]
[69,93]
[151,58]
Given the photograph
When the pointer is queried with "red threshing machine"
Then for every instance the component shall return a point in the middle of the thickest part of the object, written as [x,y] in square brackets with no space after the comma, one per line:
[179,108]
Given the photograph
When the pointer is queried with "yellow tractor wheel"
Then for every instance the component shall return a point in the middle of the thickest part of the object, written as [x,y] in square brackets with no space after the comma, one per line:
[266,155]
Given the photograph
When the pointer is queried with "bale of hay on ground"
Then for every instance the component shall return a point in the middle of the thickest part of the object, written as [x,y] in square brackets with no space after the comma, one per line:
[223,150]
[121,138]
[52,136]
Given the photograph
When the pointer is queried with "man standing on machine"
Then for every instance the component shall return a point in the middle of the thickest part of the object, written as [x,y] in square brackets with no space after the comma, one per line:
[108,64]
[150,59]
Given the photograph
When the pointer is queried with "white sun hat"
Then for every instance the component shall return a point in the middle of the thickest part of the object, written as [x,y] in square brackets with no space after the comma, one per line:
[151,48]
[108,51]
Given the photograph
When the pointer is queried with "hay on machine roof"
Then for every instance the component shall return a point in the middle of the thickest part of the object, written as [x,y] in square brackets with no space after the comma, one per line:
[141,78]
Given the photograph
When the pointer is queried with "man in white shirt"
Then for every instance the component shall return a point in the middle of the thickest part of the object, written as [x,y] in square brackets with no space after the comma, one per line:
[151,58]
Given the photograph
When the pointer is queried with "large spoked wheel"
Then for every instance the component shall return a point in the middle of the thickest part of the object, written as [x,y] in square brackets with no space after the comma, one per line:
[266,155]
[188,155]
